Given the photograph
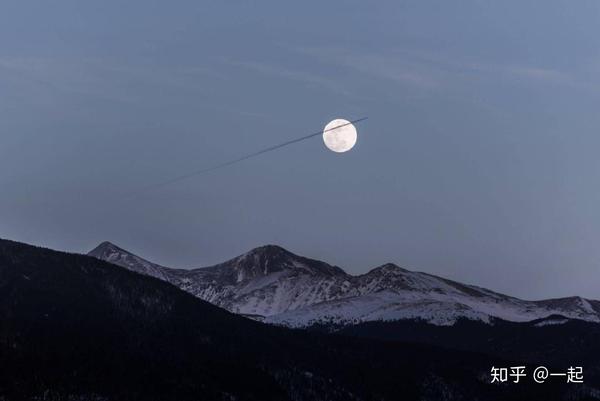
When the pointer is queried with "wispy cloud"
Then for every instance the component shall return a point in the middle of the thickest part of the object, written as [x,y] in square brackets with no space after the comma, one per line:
[431,70]
[542,74]
[395,69]
[83,77]
[296,75]
[389,66]
[103,78]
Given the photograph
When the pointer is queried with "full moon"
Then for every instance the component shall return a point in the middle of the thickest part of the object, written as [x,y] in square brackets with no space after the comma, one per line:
[340,139]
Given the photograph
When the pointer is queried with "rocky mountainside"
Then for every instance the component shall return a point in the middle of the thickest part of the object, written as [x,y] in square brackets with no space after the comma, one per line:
[280,287]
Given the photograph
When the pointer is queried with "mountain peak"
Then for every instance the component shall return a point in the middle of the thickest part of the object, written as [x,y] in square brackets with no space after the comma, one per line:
[104,248]
[270,250]
[388,268]
[114,254]
[267,259]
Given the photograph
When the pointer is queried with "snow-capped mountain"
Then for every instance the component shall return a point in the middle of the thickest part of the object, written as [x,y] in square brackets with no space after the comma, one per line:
[280,287]
[265,281]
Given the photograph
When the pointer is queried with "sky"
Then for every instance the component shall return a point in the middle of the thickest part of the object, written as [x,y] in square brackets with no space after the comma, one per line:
[479,160]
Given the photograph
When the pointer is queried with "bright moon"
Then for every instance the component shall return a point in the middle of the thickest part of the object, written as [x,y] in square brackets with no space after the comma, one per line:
[340,139]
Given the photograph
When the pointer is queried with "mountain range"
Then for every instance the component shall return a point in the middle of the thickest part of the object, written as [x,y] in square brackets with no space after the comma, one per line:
[276,286]
[76,328]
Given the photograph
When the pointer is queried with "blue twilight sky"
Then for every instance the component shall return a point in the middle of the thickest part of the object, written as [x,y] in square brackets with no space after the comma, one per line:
[479,161]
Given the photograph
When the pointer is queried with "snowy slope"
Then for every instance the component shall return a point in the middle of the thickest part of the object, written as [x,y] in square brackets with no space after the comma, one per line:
[118,256]
[284,288]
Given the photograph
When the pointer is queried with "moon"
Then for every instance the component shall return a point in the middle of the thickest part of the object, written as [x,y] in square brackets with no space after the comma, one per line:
[340,139]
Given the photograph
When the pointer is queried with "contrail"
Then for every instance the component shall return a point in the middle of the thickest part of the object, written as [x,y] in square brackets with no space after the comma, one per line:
[246,157]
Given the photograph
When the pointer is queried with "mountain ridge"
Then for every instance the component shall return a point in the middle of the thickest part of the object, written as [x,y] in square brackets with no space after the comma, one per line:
[283,288]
